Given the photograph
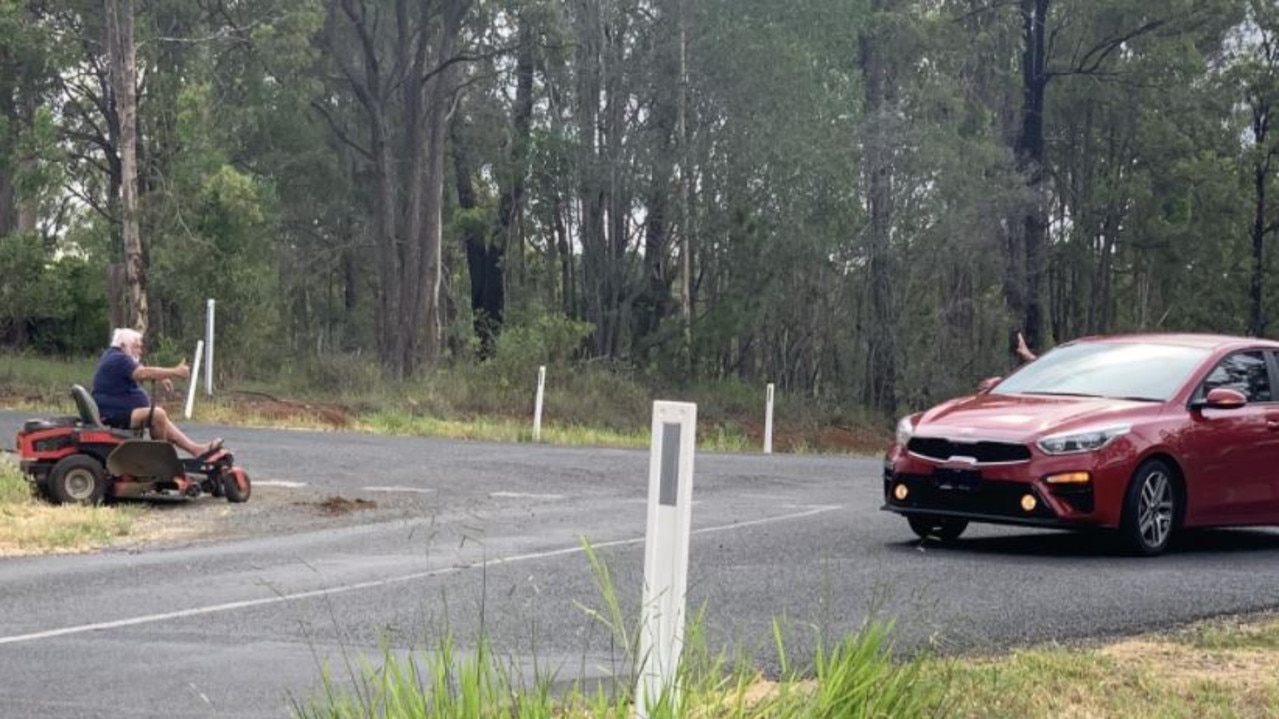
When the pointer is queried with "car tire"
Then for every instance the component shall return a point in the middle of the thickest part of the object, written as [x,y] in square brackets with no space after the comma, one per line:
[939,529]
[77,479]
[1150,508]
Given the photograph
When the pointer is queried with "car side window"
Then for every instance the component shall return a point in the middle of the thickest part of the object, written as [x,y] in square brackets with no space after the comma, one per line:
[1245,372]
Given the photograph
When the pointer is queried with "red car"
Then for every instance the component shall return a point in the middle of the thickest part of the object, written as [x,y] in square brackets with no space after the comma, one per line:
[1143,434]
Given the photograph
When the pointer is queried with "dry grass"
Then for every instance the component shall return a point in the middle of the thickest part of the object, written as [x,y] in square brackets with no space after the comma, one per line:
[31,526]
[1220,668]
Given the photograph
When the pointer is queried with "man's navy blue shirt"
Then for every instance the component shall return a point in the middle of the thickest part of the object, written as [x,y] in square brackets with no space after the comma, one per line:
[114,388]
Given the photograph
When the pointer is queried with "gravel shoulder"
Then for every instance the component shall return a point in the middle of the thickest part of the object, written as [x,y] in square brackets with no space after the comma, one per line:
[270,511]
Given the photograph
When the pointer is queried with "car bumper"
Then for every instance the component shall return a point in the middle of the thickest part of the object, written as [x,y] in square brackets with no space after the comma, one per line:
[1016,493]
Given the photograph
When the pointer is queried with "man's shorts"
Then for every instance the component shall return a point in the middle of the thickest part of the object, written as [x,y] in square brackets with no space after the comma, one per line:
[119,420]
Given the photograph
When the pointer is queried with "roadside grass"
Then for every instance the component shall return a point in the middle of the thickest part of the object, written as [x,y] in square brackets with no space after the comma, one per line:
[31,526]
[1145,677]
[39,381]
[1216,668]
[583,405]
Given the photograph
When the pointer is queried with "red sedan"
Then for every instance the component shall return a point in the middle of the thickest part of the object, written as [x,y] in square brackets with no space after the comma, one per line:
[1144,434]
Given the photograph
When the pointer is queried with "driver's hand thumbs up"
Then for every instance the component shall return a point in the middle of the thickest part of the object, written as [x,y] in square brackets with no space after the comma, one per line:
[182,370]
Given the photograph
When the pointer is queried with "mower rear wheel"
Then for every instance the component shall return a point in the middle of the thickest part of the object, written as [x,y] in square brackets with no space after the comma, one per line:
[77,479]
[231,485]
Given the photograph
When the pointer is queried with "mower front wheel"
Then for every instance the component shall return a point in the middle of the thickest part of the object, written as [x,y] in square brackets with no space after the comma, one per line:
[77,479]
[232,487]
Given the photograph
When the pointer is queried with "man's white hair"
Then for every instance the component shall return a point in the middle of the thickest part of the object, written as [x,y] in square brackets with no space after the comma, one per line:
[123,336]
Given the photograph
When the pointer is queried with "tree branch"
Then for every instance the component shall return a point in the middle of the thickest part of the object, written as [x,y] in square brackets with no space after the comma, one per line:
[341,134]
[86,199]
[999,5]
[463,58]
[1091,62]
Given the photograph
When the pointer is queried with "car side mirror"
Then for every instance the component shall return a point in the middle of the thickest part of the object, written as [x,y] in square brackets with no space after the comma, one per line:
[987,384]
[1222,398]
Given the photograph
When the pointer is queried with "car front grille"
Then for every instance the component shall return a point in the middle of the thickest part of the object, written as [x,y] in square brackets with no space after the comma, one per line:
[940,450]
[991,498]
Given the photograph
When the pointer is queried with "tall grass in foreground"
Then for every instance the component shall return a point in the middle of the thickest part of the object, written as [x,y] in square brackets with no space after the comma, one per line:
[858,678]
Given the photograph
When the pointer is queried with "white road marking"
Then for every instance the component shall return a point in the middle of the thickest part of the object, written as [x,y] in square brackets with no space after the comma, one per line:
[419,490]
[278,483]
[525,495]
[376,583]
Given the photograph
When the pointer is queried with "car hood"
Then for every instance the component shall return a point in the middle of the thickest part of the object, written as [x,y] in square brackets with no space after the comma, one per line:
[1022,418]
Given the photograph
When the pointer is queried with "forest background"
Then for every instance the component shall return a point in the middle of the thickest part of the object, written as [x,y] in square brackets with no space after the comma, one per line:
[857,200]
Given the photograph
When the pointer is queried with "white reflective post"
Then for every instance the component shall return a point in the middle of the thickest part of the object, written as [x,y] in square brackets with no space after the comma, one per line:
[194,379]
[537,405]
[768,419]
[208,348]
[670,499]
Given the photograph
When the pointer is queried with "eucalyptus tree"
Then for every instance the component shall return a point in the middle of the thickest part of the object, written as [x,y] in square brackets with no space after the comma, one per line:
[1255,78]
[397,60]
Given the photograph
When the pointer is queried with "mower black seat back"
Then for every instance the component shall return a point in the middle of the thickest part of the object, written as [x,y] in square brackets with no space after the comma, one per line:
[91,417]
[145,459]
[88,408]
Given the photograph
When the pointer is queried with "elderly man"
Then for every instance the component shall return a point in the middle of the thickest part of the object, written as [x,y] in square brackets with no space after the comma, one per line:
[124,404]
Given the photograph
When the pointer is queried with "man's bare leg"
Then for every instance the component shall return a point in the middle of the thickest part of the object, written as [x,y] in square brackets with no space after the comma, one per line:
[163,428]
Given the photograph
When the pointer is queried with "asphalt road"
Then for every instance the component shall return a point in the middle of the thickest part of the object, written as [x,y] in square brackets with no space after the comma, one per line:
[493,544]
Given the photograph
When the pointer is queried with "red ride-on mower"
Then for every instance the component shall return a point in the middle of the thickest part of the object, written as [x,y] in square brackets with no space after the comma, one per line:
[79,460]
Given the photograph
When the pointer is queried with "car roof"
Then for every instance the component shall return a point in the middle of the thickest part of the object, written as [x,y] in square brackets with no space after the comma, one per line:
[1184,339]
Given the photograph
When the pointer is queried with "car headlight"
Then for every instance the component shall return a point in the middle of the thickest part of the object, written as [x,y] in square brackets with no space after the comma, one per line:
[1076,442]
[905,430]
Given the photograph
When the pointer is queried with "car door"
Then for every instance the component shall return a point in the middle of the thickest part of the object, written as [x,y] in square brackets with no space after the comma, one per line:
[1229,453]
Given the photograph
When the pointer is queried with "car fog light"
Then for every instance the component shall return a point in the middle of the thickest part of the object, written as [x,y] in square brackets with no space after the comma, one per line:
[1069,478]
[900,492]
[1028,502]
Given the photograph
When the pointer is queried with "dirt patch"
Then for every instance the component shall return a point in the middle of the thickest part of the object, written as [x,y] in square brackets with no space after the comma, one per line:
[272,511]
[338,506]
[281,410]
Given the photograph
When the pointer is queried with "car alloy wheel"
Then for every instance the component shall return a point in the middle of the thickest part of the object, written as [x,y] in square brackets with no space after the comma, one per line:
[1150,509]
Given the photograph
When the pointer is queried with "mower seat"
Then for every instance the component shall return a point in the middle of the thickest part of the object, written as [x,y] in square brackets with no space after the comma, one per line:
[88,408]
[145,459]
[89,415]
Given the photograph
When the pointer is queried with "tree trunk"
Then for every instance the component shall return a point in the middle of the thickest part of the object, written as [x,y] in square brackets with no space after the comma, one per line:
[595,256]
[1257,319]
[1030,160]
[8,111]
[124,81]
[685,196]
[439,93]
[486,256]
[880,382]
[654,302]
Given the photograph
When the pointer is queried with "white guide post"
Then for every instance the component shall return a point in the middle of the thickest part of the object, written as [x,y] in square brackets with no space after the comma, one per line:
[768,419]
[670,499]
[194,379]
[208,348]
[537,404]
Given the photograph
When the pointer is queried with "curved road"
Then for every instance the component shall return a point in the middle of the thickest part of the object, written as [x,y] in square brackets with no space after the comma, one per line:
[491,541]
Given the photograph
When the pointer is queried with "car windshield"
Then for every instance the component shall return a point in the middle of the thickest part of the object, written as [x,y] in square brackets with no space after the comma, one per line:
[1130,370]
